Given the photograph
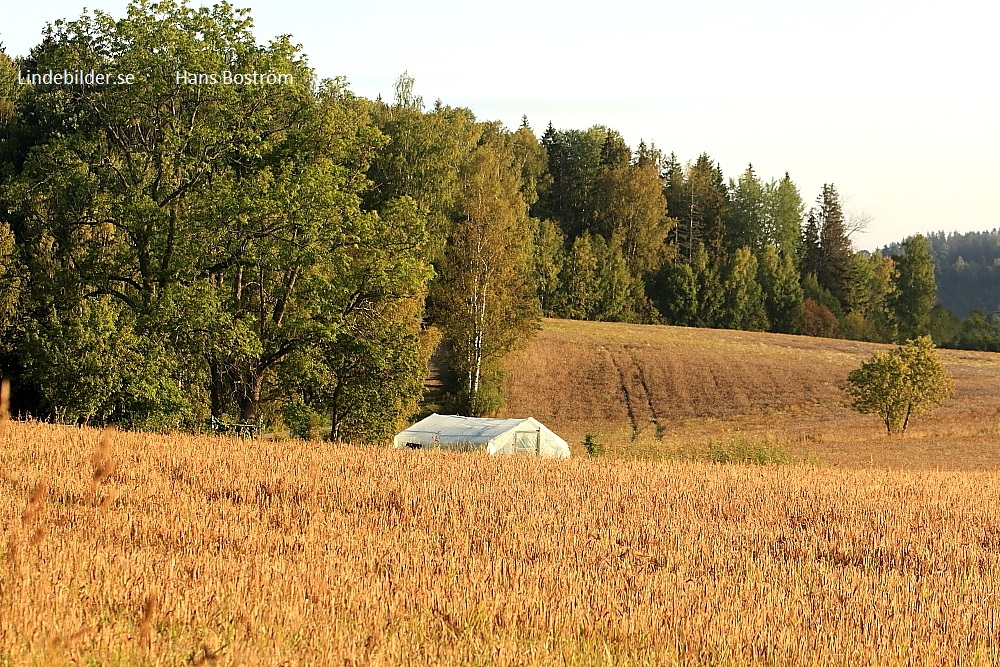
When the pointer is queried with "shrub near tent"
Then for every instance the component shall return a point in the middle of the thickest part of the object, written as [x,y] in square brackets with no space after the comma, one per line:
[896,385]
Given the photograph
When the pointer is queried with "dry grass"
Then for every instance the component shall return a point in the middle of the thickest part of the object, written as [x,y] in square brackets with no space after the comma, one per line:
[218,551]
[653,391]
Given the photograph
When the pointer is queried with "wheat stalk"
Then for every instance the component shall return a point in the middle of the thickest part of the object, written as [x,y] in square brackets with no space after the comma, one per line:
[4,404]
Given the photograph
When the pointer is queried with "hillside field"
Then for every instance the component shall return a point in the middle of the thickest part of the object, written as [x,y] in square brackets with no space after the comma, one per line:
[135,549]
[656,391]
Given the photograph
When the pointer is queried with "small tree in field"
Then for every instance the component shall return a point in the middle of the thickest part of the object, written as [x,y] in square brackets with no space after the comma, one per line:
[896,385]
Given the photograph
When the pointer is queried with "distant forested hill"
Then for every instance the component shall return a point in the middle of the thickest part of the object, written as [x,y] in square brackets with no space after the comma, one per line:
[967,268]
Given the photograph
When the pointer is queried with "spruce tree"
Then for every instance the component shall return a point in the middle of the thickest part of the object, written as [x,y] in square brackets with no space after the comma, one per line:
[835,252]
[785,212]
[746,213]
[578,299]
[743,298]
[779,281]
[674,293]
[708,204]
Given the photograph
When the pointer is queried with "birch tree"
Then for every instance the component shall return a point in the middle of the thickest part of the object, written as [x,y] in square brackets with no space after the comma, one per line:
[485,296]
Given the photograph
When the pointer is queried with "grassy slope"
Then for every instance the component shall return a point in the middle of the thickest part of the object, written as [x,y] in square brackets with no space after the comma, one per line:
[654,391]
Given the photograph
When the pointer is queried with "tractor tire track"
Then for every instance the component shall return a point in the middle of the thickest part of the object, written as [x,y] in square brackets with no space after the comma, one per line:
[640,374]
[623,386]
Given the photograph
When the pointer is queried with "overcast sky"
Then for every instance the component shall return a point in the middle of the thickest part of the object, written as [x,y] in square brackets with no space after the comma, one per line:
[896,103]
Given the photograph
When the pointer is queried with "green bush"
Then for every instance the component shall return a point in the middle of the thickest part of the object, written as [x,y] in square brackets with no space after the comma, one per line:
[593,447]
[302,421]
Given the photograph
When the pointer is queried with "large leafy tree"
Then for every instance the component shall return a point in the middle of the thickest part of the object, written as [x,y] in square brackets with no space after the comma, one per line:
[870,299]
[631,211]
[224,221]
[424,152]
[10,283]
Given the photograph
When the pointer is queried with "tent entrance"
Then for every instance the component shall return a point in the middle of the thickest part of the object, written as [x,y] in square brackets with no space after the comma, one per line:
[528,442]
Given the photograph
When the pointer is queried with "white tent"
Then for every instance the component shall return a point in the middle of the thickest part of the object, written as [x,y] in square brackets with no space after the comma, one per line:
[496,436]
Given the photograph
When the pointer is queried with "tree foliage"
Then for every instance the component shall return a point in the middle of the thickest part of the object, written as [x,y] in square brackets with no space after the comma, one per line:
[916,290]
[743,297]
[782,291]
[900,384]
[485,298]
[215,230]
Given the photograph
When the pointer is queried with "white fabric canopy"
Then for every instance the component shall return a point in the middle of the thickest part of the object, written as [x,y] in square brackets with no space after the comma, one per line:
[496,436]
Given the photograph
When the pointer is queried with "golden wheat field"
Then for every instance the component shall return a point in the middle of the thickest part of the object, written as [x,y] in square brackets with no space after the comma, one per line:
[657,391]
[170,550]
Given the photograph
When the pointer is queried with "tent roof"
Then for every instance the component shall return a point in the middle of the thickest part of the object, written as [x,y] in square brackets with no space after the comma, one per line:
[473,429]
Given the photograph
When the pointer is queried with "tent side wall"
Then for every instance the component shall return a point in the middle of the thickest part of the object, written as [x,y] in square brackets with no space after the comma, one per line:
[427,441]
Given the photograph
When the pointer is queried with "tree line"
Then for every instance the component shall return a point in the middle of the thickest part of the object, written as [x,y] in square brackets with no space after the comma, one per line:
[171,253]
[967,271]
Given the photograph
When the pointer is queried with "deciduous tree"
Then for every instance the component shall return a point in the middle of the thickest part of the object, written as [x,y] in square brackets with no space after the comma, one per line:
[899,384]
[485,300]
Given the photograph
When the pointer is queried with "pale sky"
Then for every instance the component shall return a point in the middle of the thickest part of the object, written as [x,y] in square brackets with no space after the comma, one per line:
[895,102]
